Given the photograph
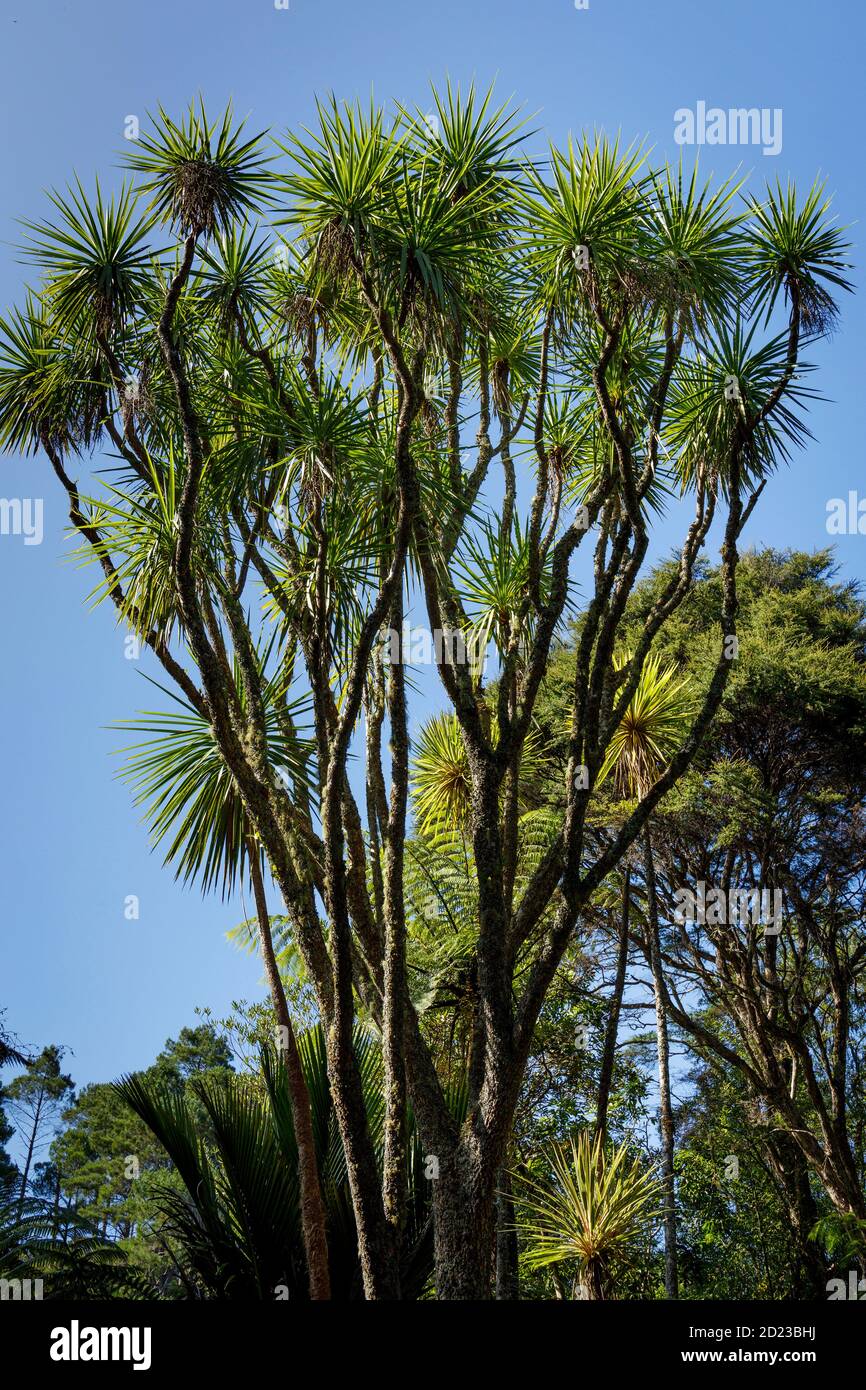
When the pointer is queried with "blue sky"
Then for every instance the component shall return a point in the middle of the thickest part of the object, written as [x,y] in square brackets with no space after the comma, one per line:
[72,968]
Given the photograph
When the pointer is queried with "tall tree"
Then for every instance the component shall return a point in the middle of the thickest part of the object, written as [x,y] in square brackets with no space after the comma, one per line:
[762,857]
[36,1098]
[296,415]
[103,1156]
[9,1174]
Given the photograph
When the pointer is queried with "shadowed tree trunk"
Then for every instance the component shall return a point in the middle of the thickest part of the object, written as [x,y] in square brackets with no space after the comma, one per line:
[808,1264]
[507,1274]
[465,1226]
[593,1283]
[312,1206]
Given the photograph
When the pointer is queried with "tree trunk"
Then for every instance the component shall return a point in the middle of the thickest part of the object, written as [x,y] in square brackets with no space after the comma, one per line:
[30,1147]
[666,1117]
[394,965]
[312,1206]
[55,1220]
[608,1056]
[464,1225]
[375,1237]
[507,1273]
[593,1282]
[808,1265]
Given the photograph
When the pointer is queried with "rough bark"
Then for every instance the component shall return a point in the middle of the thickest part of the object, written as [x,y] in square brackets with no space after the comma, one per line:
[313,1222]
[394,969]
[464,1224]
[507,1271]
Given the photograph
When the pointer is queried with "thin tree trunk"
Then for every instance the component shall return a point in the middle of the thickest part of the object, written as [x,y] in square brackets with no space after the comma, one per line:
[375,1242]
[394,966]
[55,1222]
[666,1117]
[312,1206]
[608,1056]
[26,1174]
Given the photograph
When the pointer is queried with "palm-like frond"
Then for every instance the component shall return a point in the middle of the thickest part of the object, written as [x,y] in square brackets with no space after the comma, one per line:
[188,794]
[202,175]
[794,247]
[513,353]
[236,1225]
[598,1206]
[343,173]
[431,245]
[347,577]
[580,451]
[473,142]
[50,390]
[256,1189]
[697,244]
[94,257]
[233,275]
[727,387]
[75,1264]
[198,1219]
[651,728]
[492,571]
[137,530]
[327,430]
[441,780]
[584,222]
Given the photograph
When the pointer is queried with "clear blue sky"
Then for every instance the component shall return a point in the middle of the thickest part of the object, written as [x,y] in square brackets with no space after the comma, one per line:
[72,969]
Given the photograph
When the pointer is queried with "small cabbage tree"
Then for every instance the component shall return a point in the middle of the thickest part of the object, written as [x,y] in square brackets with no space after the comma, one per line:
[596,1208]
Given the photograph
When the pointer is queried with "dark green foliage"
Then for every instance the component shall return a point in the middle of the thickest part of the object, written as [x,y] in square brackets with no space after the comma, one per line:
[235,1226]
